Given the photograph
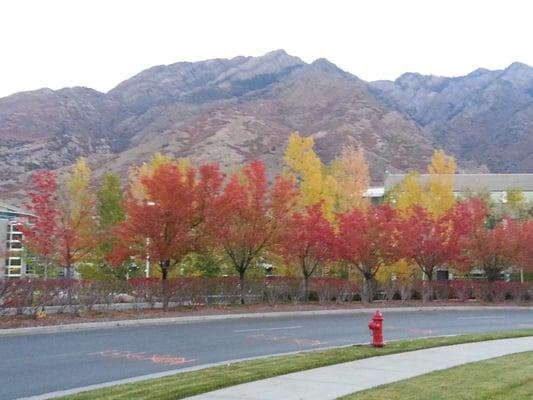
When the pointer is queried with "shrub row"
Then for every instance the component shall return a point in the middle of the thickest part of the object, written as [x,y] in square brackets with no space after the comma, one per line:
[31,295]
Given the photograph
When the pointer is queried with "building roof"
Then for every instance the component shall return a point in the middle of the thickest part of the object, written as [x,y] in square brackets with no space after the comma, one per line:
[12,211]
[375,191]
[476,182]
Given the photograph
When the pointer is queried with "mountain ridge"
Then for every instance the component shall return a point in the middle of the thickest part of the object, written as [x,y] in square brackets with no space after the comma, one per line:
[233,110]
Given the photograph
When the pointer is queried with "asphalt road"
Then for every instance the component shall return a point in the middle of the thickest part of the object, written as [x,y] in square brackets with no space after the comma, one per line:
[37,364]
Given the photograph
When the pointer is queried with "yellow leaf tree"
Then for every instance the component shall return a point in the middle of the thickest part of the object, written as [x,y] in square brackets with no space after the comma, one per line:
[77,226]
[315,184]
[408,193]
[439,196]
[351,174]
[397,277]
[515,199]
[436,195]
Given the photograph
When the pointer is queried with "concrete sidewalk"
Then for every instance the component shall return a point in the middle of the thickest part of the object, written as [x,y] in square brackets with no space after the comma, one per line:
[342,379]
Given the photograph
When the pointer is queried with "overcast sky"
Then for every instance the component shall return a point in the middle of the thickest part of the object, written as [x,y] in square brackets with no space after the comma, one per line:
[99,43]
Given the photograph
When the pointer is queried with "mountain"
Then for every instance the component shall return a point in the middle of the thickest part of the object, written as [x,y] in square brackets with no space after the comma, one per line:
[485,117]
[226,111]
[233,110]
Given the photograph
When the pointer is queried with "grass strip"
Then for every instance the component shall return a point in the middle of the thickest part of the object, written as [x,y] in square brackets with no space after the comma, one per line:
[191,383]
[502,378]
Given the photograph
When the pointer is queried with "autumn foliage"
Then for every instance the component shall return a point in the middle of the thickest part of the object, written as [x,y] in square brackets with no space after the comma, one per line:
[253,216]
[40,237]
[368,240]
[62,230]
[169,222]
[312,218]
[431,242]
[308,242]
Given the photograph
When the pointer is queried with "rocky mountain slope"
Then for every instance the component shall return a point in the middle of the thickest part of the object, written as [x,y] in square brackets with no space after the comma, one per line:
[485,117]
[231,111]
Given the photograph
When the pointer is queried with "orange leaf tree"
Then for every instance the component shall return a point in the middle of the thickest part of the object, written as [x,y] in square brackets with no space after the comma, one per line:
[169,222]
[76,232]
[253,216]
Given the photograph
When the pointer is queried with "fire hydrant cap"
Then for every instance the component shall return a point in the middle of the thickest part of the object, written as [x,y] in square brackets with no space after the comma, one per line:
[378,316]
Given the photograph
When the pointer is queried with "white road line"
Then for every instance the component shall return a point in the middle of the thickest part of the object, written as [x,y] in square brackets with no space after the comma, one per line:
[267,329]
[481,318]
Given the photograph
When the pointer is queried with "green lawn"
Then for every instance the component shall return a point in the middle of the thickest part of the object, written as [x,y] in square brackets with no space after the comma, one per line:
[503,378]
[190,383]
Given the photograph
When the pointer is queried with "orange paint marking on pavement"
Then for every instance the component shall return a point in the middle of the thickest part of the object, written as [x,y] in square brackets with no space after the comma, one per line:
[153,358]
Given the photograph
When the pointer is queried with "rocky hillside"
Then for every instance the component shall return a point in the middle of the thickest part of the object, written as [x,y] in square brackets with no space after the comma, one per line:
[231,111]
[485,117]
[227,111]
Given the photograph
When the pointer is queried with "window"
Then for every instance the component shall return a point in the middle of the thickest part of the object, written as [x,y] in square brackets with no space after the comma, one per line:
[16,227]
[16,245]
[15,261]
[16,271]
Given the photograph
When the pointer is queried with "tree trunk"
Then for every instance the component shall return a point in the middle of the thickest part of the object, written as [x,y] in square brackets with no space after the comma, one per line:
[70,295]
[164,283]
[427,288]
[489,295]
[492,275]
[368,289]
[241,284]
[306,289]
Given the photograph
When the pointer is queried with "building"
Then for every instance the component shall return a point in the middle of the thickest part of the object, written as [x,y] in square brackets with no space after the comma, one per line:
[374,194]
[495,185]
[12,263]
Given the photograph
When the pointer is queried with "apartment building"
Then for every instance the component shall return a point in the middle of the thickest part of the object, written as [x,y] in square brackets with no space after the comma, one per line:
[12,263]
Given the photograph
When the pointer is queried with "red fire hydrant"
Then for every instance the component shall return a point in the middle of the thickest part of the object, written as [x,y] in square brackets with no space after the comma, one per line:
[376,328]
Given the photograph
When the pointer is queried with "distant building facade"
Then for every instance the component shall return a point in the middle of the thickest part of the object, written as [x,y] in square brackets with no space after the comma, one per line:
[12,263]
[495,185]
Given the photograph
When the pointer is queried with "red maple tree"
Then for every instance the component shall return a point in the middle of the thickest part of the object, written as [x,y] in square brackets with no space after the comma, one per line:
[368,241]
[308,242]
[431,242]
[524,236]
[170,222]
[496,249]
[40,233]
[253,216]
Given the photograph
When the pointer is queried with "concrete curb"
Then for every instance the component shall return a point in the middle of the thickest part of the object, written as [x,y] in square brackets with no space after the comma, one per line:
[87,326]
